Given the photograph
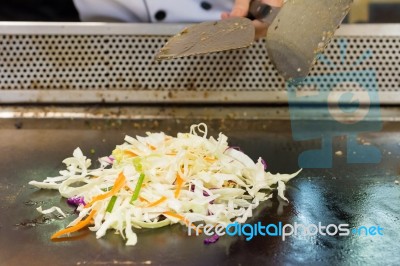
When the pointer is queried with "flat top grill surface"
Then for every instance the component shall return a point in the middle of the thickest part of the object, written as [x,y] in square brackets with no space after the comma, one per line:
[353,194]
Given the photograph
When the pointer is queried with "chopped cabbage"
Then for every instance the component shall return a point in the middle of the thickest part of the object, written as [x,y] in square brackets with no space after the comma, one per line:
[188,178]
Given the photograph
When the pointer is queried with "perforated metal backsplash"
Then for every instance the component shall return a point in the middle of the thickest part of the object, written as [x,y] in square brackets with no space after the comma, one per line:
[121,68]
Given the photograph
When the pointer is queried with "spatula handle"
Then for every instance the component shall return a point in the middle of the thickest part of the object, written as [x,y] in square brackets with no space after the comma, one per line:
[263,12]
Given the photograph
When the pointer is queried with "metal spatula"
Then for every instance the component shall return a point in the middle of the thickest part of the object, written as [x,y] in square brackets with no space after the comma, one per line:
[217,36]
[208,37]
[297,33]
[301,30]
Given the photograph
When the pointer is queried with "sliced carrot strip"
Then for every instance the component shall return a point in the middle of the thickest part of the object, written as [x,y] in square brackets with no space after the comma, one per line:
[119,183]
[180,217]
[210,159]
[143,199]
[175,215]
[130,154]
[179,183]
[152,147]
[76,227]
[194,227]
[157,202]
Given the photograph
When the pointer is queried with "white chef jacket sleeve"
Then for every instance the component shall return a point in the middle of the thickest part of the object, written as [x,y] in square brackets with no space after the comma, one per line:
[112,10]
[169,11]
[172,11]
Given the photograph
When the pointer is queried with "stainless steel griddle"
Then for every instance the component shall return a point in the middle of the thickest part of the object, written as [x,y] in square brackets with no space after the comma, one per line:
[32,148]
[87,85]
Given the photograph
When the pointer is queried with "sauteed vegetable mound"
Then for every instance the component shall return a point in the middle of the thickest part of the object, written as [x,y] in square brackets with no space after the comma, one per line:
[158,180]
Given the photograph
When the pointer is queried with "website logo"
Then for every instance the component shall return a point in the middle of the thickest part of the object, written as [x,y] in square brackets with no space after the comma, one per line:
[347,101]
[249,231]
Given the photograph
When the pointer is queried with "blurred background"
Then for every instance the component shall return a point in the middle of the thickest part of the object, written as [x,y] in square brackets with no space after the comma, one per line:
[363,11]
[375,11]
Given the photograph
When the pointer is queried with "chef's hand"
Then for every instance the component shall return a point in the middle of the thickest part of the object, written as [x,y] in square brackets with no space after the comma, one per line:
[241,9]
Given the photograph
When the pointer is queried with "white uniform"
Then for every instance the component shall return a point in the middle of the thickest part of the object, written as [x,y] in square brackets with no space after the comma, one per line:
[164,11]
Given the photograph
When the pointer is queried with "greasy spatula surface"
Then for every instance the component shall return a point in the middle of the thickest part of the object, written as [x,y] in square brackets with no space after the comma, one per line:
[207,37]
[301,30]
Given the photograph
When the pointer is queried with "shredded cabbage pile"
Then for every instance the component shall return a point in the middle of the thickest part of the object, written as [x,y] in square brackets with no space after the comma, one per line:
[184,179]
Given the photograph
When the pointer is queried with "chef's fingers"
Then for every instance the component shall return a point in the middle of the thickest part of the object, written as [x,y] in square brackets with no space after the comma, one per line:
[224,15]
[240,9]
[274,3]
[261,29]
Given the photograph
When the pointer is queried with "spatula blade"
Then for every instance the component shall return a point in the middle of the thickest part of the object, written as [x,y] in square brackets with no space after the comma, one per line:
[301,30]
[208,37]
